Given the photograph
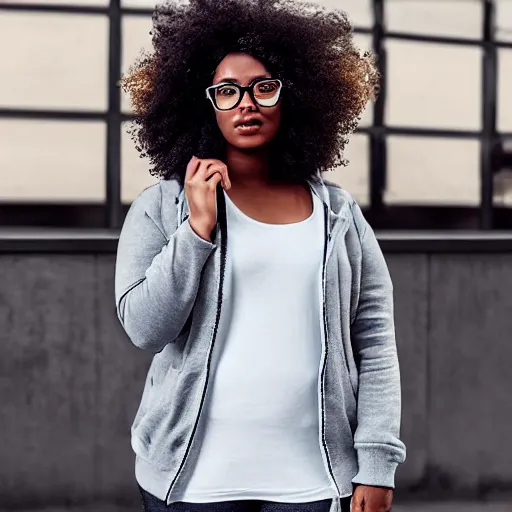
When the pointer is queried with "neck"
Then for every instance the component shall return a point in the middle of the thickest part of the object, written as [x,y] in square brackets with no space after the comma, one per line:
[248,168]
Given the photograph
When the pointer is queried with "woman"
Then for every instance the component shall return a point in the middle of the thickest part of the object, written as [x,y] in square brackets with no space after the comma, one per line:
[258,286]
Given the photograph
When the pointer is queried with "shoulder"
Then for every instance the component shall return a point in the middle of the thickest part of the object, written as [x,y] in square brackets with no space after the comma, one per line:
[341,200]
[159,203]
[158,193]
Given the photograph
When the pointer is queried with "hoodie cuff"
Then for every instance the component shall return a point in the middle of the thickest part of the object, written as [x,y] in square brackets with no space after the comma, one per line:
[194,239]
[377,467]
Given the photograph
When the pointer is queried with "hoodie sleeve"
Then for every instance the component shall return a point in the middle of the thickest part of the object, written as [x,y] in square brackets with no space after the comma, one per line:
[376,439]
[156,279]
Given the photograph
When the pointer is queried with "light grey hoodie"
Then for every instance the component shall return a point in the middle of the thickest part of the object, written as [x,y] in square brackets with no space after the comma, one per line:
[169,293]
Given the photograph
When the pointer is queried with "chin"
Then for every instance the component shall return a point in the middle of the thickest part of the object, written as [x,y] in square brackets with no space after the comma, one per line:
[249,142]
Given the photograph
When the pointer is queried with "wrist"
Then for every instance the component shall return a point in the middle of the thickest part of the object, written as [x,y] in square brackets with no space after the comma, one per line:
[200,229]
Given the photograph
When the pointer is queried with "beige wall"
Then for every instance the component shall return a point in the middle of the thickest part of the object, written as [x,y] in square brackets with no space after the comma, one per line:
[48,66]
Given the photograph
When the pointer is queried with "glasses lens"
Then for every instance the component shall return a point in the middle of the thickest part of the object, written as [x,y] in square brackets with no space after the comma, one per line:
[267,92]
[226,96]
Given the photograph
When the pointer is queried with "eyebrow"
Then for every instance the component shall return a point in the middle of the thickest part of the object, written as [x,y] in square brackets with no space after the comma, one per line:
[230,79]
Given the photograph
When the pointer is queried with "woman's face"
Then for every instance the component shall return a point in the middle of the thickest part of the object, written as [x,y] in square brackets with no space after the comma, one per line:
[242,69]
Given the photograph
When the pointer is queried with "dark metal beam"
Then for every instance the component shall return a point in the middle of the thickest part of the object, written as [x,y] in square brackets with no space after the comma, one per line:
[57,115]
[91,215]
[113,177]
[57,9]
[425,38]
[489,101]
[78,115]
[378,156]
[97,241]
[416,131]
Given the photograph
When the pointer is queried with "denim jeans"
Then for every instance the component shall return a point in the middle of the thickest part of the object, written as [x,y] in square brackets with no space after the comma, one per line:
[153,504]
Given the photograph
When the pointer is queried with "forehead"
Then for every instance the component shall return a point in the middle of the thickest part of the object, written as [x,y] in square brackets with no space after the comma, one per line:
[240,66]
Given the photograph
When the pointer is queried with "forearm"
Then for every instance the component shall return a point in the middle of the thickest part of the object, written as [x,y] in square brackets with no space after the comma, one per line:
[377,434]
[156,291]
[378,419]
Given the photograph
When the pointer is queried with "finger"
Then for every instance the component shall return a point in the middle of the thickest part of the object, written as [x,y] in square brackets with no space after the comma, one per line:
[204,165]
[209,169]
[217,170]
[208,162]
[218,166]
[192,167]
[212,182]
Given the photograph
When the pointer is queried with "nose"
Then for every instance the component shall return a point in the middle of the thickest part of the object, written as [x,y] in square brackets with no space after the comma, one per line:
[247,101]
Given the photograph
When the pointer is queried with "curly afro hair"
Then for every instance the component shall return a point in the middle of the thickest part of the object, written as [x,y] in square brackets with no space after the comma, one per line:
[327,82]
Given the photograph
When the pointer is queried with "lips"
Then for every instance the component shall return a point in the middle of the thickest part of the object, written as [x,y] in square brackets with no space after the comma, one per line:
[248,129]
[248,122]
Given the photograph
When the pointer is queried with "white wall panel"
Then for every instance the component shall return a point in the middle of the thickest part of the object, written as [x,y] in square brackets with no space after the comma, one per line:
[504,120]
[504,20]
[87,3]
[53,61]
[451,18]
[434,86]
[52,161]
[433,171]
[144,4]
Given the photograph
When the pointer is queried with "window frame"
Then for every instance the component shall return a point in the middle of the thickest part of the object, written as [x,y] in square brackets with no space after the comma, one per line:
[112,211]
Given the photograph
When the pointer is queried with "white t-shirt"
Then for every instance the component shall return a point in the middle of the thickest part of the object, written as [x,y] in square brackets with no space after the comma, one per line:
[258,436]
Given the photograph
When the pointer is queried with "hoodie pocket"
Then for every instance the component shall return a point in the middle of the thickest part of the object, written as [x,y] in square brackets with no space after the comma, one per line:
[146,399]
[160,430]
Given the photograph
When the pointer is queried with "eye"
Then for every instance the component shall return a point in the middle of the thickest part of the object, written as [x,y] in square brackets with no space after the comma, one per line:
[226,90]
[267,87]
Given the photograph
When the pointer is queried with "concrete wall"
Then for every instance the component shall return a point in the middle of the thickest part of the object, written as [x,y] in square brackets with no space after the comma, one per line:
[70,380]
[48,66]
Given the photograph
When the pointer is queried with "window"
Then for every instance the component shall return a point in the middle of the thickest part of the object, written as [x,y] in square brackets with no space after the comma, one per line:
[64,146]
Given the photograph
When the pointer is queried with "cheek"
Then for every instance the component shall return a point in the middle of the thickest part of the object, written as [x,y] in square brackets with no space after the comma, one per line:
[224,121]
[275,119]
[278,116]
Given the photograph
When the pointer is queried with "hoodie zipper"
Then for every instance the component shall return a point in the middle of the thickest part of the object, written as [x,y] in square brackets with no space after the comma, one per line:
[223,245]
[327,461]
